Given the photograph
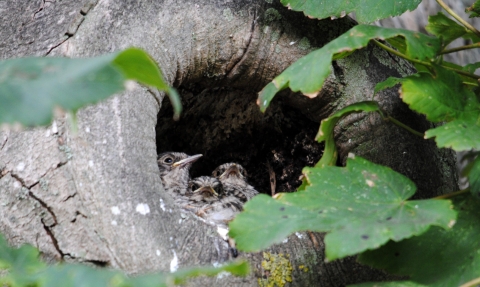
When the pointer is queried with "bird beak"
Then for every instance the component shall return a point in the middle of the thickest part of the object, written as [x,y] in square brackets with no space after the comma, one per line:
[233,169]
[207,189]
[184,162]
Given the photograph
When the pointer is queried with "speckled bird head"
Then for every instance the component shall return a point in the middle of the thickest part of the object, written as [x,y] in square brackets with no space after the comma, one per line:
[205,188]
[175,170]
[231,173]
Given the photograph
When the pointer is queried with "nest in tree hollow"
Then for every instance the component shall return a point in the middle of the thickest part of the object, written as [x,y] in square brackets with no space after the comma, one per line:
[226,125]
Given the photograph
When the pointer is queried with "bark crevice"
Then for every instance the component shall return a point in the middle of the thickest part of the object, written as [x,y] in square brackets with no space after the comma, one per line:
[74,24]
[246,51]
[42,7]
[48,208]
[4,142]
[54,240]
[21,180]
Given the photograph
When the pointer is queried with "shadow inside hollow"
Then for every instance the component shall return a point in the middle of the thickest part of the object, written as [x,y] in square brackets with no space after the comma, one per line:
[226,125]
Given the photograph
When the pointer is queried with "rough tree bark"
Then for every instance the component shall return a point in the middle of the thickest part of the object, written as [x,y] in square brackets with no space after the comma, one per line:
[95,196]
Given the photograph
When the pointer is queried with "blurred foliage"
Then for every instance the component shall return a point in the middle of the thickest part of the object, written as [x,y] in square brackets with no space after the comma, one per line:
[363,206]
[24,269]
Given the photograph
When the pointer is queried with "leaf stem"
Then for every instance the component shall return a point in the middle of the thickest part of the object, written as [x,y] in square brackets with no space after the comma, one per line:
[458,18]
[449,195]
[395,52]
[463,73]
[470,84]
[471,283]
[461,48]
[400,124]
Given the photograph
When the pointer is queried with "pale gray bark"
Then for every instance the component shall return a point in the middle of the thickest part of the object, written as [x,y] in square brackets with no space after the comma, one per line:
[84,196]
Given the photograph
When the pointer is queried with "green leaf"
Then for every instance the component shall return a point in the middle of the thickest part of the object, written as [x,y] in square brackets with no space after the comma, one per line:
[471,36]
[362,206]
[266,95]
[474,10]
[137,65]
[438,257]
[31,87]
[461,134]
[441,97]
[22,264]
[25,269]
[325,133]
[75,275]
[474,177]
[399,43]
[471,68]
[388,83]
[366,11]
[444,27]
[80,275]
[238,268]
[308,74]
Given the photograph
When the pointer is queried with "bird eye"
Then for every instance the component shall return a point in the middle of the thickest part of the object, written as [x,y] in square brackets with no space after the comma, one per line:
[193,186]
[168,160]
[243,172]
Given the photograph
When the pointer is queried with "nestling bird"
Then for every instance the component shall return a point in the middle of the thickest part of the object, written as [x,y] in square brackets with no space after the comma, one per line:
[175,172]
[233,178]
[208,200]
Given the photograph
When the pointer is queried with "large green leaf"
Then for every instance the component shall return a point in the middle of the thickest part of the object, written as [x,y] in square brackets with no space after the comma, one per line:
[471,68]
[362,206]
[444,27]
[23,260]
[390,82]
[441,96]
[308,74]
[438,257]
[25,269]
[471,36]
[461,134]
[31,87]
[325,133]
[266,96]
[85,276]
[366,11]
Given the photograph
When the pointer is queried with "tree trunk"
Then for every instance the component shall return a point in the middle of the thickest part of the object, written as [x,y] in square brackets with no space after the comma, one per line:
[95,195]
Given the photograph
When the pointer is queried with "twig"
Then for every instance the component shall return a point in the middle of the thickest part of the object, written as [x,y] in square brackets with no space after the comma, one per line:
[398,123]
[461,48]
[458,18]
[449,195]
[470,84]
[404,126]
[395,52]
[314,240]
[273,180]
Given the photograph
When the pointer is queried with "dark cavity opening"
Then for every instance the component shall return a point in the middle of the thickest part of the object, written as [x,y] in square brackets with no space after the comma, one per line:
[226,125]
